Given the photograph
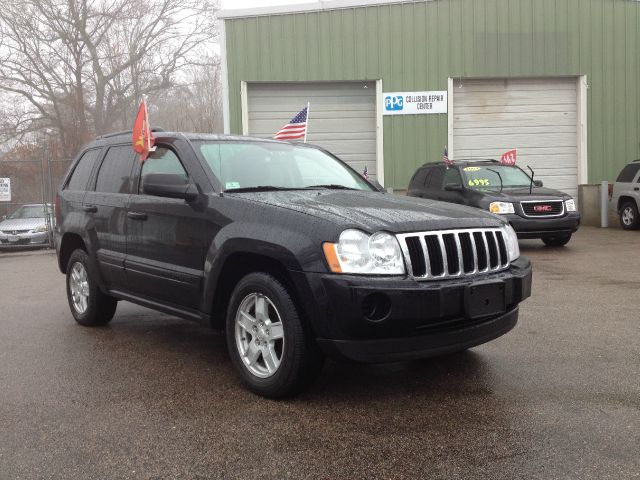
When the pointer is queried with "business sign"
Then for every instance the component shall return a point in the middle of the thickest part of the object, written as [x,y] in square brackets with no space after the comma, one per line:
[414,103]
[5,189]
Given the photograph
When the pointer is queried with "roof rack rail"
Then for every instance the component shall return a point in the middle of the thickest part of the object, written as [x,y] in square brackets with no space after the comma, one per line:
[115,134]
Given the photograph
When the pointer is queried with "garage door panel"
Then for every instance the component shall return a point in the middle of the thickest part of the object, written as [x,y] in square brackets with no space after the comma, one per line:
[522,130]
[342,116]
[502,119]
[538,117]
[483,109]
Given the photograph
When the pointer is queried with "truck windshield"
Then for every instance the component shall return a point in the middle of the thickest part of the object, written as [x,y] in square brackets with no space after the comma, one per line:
[277,166]
[485,177]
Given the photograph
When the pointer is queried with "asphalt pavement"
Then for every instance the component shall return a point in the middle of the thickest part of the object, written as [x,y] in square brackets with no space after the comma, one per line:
[153,396]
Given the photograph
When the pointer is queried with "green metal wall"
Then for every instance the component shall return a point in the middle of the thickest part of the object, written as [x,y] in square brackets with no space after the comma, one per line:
[417,46]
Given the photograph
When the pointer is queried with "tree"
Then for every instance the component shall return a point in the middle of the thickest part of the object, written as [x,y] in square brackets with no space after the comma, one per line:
[81,66]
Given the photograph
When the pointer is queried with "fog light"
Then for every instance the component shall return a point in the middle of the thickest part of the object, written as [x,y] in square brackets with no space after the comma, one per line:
[376,307]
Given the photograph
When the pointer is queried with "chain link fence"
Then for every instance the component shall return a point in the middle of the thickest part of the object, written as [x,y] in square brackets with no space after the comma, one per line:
[32,181]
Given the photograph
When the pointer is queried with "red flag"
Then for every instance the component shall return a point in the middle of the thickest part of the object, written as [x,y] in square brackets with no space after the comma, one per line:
[509,158]
[143,140]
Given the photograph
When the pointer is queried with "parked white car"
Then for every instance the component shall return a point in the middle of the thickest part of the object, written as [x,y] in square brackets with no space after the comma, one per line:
[27,226]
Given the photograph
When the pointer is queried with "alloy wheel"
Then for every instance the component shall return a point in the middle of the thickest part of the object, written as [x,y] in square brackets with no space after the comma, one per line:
[628,216]
[259,335]
[79,286]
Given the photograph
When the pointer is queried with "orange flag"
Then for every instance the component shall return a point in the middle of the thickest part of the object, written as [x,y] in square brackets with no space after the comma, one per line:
[143,140]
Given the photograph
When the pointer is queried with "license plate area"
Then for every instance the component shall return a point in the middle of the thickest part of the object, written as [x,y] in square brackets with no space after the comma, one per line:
[484,300]
[13,238]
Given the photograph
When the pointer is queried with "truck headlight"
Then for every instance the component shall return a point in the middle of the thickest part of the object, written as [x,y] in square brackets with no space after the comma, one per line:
[358,252]
[570,205]
[501,207]
[511,242]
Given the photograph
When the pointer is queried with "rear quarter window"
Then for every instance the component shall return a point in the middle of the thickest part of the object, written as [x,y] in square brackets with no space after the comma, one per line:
[418,179]
[628,173]
[81,173]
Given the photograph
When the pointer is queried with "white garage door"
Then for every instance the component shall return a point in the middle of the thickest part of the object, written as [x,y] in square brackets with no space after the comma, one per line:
[538,117]
[342,116]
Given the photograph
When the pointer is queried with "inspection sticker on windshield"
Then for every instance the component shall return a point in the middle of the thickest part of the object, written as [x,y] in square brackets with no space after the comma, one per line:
[230,185]
[472,169]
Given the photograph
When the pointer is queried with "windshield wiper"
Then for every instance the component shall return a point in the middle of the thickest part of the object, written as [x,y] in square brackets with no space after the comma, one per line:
[259,188]
[330,186]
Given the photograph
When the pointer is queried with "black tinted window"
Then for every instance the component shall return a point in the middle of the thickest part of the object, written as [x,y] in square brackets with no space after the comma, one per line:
[81,173]
[418,179]
[115,171]
[436,178]
[628,173]
[452,176]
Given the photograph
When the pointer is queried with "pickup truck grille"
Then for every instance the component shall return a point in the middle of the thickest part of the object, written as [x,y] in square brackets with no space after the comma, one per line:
[549,208]
[454,253]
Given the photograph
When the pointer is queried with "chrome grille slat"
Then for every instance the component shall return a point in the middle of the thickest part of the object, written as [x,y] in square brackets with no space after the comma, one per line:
[438,247]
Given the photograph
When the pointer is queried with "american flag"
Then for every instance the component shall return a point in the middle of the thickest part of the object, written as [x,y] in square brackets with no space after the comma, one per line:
[365,173]
[296,128]
[445,158]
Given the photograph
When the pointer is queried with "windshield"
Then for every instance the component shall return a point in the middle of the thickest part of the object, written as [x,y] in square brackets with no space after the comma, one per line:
[254,165]
[29,211]
[487,177]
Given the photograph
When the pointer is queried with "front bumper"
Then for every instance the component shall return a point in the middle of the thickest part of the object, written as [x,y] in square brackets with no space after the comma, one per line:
[541,227]
[24,239]
[419,319]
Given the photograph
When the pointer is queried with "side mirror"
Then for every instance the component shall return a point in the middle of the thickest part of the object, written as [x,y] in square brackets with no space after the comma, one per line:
[377,186]
[169,185]
[538,183]
[453,187]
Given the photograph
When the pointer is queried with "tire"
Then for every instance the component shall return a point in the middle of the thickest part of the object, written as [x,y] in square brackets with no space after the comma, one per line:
[89,306]
[557,241]
[629,218]
[267,343]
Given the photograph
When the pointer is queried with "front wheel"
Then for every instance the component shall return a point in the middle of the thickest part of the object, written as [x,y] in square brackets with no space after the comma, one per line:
[267,344]
[89,306]
[557,240]
[629,218]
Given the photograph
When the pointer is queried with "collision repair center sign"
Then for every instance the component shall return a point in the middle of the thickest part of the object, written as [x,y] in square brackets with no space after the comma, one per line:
[414,103]
[5,189]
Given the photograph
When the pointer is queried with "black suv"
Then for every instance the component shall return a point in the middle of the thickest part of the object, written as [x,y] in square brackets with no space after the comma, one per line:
[287,248]
[532,210]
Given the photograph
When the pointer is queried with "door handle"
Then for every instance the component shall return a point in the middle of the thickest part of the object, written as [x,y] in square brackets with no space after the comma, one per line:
[637,188]
[90,208]
[137,215]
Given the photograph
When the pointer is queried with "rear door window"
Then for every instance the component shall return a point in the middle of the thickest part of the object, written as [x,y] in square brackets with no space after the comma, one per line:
[115,171]
[436,178]
[82,172]
[418,179]
[628,173]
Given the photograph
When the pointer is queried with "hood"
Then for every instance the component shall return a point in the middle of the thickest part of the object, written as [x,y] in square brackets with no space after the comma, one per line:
[21,224]
[374,211]
[519,194]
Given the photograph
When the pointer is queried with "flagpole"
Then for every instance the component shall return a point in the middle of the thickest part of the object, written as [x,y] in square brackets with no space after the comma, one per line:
[307,128]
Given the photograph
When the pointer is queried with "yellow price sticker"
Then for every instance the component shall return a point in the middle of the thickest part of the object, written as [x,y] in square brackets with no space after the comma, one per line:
[472,169]
[479,182]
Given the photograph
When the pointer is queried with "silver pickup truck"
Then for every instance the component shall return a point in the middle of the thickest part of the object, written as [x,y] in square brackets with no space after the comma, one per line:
[625,197]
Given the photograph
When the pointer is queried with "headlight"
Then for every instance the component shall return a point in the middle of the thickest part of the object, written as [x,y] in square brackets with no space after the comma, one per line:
[571,205]
[357,252]
[41,228]
[501,207]
[511,242]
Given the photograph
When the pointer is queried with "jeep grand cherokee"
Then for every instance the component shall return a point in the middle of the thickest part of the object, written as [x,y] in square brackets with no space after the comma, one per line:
[288,249]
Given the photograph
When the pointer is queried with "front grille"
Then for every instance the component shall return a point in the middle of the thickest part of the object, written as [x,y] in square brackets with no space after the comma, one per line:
[14,232]
[454,253]
[550,208]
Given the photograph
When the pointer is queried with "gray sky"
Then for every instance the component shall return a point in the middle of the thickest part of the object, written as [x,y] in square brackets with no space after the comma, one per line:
[233,4]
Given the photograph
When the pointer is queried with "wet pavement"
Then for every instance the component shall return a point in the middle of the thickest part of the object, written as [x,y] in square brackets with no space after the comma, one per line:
[152,396]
